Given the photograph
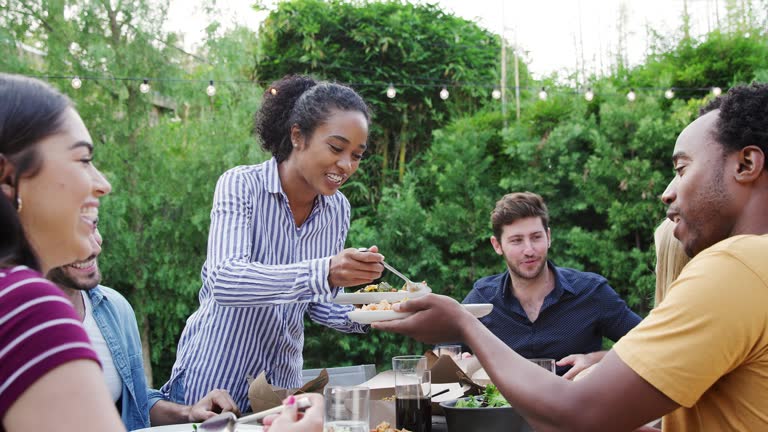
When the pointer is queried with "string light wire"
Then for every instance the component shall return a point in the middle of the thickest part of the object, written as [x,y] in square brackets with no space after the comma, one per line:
[392,89]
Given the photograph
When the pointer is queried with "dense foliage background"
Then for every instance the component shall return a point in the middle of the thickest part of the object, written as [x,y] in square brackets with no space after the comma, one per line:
[436,168]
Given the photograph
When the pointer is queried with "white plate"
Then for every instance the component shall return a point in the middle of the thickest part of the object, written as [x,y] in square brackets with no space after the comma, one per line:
[368,317]
[188,427]
[374,297]
[479,310]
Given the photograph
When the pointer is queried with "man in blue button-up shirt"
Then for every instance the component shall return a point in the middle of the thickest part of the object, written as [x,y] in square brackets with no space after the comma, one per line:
[541,310]
[112,328]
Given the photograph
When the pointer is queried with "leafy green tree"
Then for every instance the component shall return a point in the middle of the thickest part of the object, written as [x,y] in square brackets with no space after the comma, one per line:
[179,158]
[369,44]
[600,165]
[720,59]
[162,151]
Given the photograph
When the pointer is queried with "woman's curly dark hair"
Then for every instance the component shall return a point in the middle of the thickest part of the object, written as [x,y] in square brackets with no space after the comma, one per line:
[300,100]
[743,117]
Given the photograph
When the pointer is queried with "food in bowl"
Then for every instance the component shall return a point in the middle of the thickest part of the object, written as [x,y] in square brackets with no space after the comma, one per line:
[381,287]
[384,287]
[479,419]
[491,398]
[489,412]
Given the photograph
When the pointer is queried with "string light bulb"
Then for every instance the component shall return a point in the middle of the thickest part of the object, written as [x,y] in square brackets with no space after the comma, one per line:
[76,83]
[631,96]
[496,93]
[444,93]
[717,91]
[589,95]
[669,94]
[211,89]
[543,94]
[391,91]
[144,87]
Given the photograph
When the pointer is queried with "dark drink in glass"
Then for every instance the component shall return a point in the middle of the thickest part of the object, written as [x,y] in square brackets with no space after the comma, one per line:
[414,414]
[413,382]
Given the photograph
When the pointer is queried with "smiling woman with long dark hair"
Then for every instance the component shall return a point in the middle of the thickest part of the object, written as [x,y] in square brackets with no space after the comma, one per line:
[49,198]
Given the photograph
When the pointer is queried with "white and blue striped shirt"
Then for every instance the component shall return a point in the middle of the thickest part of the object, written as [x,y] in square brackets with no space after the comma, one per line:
[261,275]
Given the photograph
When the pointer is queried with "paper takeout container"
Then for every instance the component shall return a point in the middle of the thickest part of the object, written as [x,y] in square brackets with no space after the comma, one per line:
[263,396]
[446,374]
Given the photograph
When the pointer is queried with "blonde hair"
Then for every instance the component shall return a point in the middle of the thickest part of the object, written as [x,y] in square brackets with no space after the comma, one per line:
[670,258]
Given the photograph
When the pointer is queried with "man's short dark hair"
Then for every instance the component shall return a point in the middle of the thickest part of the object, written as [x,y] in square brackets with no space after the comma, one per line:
[743,118]
[515,206]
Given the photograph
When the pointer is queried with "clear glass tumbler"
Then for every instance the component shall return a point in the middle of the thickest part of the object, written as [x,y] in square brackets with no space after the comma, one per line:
[347,409]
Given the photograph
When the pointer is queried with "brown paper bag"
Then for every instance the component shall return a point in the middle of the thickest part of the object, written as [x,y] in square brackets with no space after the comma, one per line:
[445,370]
[263,396]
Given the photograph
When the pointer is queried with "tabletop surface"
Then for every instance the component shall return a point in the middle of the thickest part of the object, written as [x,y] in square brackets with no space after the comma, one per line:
[438,424]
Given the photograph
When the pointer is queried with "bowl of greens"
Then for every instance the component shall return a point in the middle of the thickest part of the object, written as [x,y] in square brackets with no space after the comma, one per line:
[489,412]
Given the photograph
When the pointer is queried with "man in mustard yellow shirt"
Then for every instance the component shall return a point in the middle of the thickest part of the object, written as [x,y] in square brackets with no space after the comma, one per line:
[701,358]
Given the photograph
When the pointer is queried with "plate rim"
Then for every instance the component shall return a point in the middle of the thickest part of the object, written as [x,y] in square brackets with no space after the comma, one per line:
[401,315]
[368,298]
[393,315]
[479,305]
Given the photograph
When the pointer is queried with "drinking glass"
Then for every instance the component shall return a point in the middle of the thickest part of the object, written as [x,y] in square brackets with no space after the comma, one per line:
[548,364]
[453,351]
[413,391]
[347,409]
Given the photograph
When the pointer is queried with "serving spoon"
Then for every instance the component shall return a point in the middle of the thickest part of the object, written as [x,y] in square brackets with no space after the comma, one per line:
[410,285]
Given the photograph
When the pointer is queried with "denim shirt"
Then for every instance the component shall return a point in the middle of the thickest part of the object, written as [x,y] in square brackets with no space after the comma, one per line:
[117,323]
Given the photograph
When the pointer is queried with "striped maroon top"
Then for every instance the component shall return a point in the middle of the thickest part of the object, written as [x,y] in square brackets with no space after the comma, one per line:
[39,331]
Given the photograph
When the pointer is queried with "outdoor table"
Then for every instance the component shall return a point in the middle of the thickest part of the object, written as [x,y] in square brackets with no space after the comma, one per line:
[438,424]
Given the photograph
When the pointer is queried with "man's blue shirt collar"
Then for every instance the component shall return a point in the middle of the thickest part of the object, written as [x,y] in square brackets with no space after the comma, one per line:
[561,283]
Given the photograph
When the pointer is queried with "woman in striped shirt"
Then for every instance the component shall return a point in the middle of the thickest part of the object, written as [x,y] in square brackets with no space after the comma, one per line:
[275,246]
[49,374]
